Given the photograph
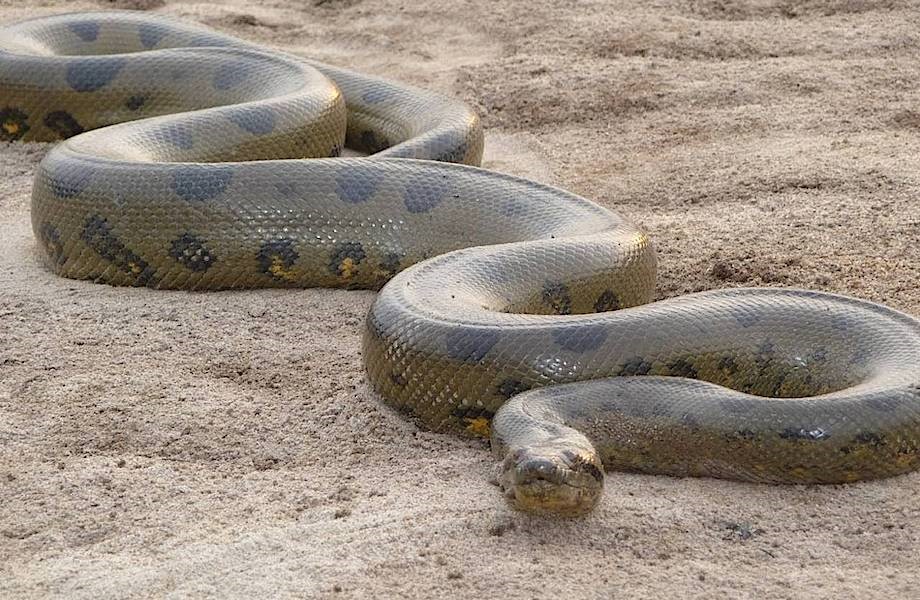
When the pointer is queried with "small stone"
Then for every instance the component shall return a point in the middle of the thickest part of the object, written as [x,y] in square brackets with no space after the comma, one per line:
[720,269]
[499,529]
[265,463]
[250,20]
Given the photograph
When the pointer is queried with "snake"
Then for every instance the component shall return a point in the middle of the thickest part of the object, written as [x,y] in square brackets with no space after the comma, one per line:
[193,160]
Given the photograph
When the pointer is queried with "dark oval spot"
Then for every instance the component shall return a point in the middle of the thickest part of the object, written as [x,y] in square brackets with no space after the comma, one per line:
[98,235]
[375,327]
[66,181]
[557,296]
[447,147]
[230,75]
[470,344]
[728,364]
[151,34]
[607,301]
[191,252]
[357,187]
[369,143]
[198,183]
[135,102]
[745,434]
[209,39]
[582,338]
[472,412]
[745,316]
[819,355]
[869,438]
[681,367]
[765,353]
[636,365]
[63,124]
[175,135]
[424,192]
[883,403]
[514,208]
[511,387]
[13,124]
[288,188]
[376,95]
[861,356]
[841,322]
[402,152]
[85,30]
[345,257]
[50,237]
[255,120]
[736,406]
[390,263]
[91,74]
[276,258]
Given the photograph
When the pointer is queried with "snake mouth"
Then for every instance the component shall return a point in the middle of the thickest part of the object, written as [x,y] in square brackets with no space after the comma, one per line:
[552,481]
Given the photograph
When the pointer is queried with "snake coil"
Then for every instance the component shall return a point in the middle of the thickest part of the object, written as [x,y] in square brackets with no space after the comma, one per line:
[509,307]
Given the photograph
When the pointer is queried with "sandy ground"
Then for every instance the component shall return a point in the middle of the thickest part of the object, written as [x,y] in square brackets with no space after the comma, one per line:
[158,444]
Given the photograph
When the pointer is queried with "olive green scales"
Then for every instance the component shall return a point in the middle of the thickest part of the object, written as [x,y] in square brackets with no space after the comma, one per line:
[183,168]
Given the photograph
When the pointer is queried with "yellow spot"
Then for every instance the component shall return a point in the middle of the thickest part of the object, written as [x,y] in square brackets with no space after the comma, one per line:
[478,426]
[278,269]
[906,460]
[135,268]
[348,268]
[11,127]
[799,473]
[851,476]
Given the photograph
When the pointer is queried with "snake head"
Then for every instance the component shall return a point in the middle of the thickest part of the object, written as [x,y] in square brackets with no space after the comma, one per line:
[552,478]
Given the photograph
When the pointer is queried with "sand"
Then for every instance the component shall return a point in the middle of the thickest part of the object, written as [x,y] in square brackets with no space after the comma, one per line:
[163,444]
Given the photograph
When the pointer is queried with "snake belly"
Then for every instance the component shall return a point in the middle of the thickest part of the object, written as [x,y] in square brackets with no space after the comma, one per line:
[510,309]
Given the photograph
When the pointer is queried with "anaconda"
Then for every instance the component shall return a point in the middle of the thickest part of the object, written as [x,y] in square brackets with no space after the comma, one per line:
[508,305]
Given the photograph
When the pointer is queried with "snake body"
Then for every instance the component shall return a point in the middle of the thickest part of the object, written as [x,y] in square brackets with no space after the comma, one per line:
[182,168]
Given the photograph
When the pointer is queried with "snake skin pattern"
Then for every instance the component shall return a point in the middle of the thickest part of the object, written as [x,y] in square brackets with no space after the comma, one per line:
[496,286]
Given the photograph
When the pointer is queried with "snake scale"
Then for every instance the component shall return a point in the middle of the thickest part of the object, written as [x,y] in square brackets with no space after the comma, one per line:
[510,309]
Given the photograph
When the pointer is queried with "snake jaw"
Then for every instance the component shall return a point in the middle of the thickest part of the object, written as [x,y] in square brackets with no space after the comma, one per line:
[552,480]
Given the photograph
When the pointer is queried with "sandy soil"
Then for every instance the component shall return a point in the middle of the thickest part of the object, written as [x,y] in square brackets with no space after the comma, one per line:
[159,444]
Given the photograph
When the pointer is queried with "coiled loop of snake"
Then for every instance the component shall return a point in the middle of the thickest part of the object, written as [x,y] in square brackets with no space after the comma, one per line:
[517,292]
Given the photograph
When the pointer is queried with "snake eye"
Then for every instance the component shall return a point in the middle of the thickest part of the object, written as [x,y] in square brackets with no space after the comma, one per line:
[580,463]
[588,467]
